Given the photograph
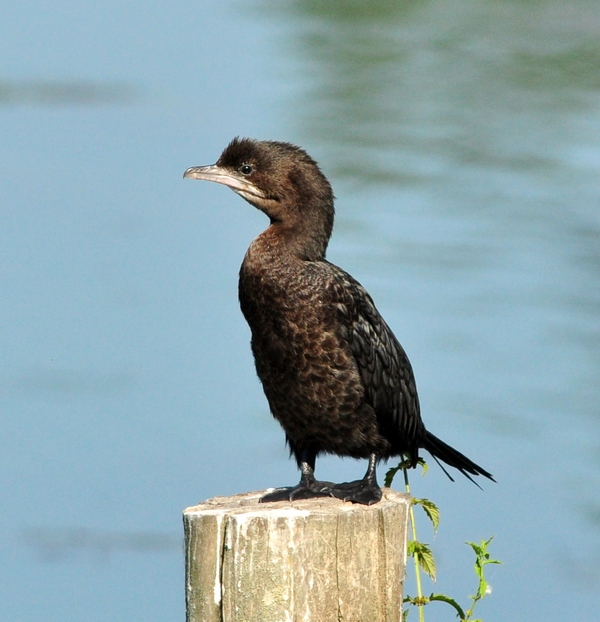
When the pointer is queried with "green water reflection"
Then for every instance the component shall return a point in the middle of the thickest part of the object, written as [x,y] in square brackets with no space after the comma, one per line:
[60,93]
[399,91]
[465,137]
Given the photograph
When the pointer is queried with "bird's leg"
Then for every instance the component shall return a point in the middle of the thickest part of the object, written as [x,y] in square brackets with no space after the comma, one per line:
[308,488]
[365,490]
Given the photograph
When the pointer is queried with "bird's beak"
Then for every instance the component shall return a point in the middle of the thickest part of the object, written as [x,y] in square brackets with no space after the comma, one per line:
[226,177]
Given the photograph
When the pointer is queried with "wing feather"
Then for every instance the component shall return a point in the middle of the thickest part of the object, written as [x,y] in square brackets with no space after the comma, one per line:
[383,365]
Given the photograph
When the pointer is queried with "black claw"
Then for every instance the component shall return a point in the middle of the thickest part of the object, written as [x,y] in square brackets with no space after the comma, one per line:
[360,491]
[304,490]
[365,491]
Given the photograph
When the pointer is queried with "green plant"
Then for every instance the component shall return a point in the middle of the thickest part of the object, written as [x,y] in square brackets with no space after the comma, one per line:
[424,560]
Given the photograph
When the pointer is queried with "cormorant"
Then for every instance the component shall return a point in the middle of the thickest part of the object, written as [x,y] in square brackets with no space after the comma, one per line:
[335,376]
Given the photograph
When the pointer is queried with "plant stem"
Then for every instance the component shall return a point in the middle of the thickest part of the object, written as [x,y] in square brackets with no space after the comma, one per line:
[413,525]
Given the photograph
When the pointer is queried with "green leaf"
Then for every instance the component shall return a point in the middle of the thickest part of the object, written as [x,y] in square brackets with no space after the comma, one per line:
[446,599]
[389,476]
[479,551]
[482,558]
[403,465]
[432,511]
[422,553]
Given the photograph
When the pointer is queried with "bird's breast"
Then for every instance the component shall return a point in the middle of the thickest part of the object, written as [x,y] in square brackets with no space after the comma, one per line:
[293,322]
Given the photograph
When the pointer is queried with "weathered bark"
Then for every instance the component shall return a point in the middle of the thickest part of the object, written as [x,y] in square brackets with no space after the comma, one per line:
[318,560]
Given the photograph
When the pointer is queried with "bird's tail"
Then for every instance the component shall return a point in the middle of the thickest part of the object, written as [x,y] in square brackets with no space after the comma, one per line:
[441,451]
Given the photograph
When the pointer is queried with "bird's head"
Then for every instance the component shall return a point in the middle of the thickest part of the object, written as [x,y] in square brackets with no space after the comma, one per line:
[279,179]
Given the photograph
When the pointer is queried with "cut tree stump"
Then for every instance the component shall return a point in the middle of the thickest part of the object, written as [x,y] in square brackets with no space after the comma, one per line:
[318,560]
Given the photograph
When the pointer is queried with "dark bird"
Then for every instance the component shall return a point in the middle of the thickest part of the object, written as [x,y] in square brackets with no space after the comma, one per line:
[335,376]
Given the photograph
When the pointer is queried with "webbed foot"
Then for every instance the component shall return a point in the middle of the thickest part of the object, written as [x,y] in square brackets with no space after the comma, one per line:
[304,490]
[365,491]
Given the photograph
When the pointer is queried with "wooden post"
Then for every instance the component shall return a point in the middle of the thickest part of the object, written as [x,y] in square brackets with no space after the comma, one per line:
[318,560]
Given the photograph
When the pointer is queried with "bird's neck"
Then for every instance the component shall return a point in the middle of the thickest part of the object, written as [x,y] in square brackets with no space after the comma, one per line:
[291,241]
[301,228]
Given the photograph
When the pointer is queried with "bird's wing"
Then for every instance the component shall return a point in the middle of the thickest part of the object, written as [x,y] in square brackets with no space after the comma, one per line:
[384,368]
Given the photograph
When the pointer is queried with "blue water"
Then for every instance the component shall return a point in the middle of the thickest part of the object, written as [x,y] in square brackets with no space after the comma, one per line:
[462,143]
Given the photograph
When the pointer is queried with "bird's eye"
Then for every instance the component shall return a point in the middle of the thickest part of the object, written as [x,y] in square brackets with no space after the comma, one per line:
[246,169]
